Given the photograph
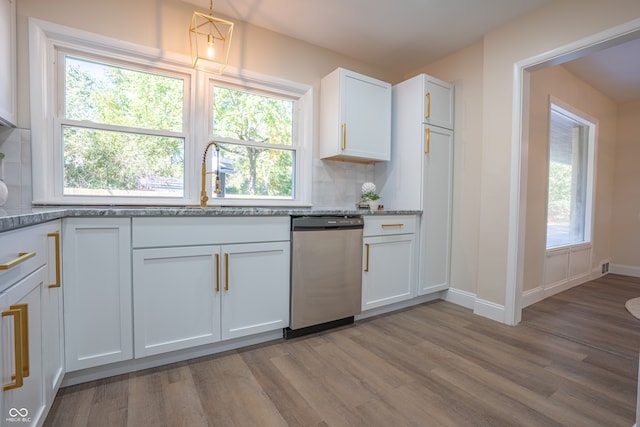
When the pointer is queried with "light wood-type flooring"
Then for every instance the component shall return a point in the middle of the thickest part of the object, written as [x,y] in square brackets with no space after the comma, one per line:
[573,361]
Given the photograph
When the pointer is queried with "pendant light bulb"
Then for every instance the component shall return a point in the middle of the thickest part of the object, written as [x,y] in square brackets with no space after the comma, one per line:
[210,51]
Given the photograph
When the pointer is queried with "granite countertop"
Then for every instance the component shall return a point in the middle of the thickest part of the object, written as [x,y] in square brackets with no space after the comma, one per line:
[22,218]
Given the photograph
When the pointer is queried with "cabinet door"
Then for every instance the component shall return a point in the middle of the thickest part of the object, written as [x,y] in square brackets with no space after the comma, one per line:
[366,117]
[436,216]
[21,349]
[52,314]
[255,280]
[438,103]
[388,270]
[176,298]
[97,291]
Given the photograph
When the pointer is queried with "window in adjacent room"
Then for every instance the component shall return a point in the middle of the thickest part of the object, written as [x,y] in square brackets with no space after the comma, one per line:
[571,172]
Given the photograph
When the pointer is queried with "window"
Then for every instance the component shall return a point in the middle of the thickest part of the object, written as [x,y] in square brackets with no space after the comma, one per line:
[570,186]
[257,153]
[115,123]
[121,130]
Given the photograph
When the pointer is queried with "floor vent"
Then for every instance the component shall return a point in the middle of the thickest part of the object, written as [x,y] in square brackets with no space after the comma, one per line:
[605,267]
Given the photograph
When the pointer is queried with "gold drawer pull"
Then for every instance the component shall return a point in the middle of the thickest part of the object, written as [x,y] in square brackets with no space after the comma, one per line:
[226,271]
[22,257]
[366,266]
[427,140]
[428,115]
[24,326]
[392,225]
[17,347]
[217,272]
[344,136]
[56,238]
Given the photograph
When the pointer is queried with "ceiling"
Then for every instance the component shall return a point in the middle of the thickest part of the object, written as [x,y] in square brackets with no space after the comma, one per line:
[404,35]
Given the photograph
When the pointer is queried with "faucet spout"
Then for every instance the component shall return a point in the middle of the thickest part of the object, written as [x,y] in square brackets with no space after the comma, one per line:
[203,189]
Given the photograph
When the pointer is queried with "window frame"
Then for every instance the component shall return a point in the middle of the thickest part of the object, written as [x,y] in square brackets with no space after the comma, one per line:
[47,104]
[591,125]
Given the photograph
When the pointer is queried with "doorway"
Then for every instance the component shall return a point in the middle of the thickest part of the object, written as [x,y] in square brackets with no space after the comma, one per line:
[522,74]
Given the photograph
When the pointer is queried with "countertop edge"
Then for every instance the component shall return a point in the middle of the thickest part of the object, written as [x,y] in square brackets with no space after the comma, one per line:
[42,215]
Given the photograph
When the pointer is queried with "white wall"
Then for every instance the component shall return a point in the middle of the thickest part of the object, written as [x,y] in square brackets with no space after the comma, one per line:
[625,236]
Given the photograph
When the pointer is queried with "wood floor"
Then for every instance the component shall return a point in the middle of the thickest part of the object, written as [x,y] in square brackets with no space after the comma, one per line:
[571,362]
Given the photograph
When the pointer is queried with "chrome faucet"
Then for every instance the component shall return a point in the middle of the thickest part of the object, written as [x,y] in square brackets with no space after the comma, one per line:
[203,191]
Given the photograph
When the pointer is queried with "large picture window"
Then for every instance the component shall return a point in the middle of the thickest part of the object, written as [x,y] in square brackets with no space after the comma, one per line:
[256,133]
[570,185]
[121,130]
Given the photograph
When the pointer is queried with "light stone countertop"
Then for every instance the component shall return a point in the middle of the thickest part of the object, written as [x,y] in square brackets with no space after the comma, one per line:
[37,215]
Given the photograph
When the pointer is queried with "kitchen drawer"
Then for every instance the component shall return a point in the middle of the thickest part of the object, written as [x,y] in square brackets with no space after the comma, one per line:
[25,240]
[384,225]
[164,232]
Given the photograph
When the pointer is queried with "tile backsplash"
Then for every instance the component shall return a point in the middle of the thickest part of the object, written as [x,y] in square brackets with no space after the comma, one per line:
[16,146]
[335,184]
[338,184]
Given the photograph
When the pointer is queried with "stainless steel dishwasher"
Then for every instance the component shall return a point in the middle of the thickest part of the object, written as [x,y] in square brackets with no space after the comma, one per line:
[326,272]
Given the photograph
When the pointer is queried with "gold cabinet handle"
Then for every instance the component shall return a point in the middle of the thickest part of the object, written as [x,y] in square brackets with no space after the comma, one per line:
[226,271]
[344,136]
[428,105]
[22,257]
[24,326]
[17,348]
[56,238]
[392,225]
[427,140]
[366,263]
[217,272]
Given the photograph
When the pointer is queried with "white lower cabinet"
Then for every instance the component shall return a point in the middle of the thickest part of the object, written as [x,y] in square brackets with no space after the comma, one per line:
[23,397]
[389,260]
[187,295]
[31,323]
[176,298]
[256,288]
[97,291]
[52,315]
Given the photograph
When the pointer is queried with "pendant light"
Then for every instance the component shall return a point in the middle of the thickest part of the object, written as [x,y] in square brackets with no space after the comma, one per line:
[210,39]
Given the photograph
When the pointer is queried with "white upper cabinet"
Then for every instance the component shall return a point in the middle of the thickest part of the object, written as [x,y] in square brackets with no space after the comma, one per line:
[355,117]
[8,84]
[438,102]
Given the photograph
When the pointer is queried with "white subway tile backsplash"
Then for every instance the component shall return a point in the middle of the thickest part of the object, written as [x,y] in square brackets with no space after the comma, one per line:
[16,146]
[337,184]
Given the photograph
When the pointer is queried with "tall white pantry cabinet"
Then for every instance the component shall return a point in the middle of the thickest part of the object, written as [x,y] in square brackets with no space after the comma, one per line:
[420,173]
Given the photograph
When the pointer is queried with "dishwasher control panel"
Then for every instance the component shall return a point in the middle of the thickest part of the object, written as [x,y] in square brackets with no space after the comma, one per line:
[323,222]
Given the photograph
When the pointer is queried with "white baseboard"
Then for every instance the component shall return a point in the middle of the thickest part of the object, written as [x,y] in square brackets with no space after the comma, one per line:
[460,297]
[625,270]
[535,295]
[538,294]
[532,296]
[90,374]
[489,309]
[399,305]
